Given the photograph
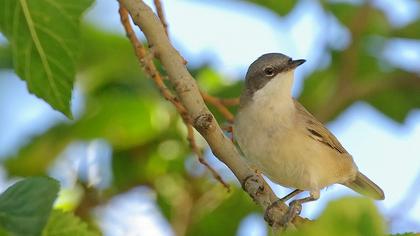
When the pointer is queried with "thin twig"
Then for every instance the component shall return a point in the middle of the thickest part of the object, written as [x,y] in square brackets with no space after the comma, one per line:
[216,102]
[224,101]
[229,101]
[200,157]
[147,63]
[159,9]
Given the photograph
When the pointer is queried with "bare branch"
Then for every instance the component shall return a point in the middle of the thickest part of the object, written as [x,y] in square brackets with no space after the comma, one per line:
[159,9]
[203,120]
[147,63]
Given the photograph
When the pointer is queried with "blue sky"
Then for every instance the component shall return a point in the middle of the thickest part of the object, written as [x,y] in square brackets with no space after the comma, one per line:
[385,151]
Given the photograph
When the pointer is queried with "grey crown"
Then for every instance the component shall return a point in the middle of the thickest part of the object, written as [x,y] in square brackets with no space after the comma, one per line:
[265,68]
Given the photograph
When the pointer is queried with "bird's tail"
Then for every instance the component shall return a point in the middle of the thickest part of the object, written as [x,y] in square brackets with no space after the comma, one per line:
[365,186]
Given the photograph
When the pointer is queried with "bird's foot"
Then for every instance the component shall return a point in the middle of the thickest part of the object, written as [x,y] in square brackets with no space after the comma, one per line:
[295,207]
[276,208]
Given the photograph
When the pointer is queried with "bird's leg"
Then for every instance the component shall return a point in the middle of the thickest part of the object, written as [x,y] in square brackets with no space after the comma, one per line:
[285,198]
[290,195]
[295,206]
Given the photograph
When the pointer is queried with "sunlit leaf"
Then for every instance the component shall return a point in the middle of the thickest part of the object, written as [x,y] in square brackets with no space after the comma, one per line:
[43,35]
[66,224]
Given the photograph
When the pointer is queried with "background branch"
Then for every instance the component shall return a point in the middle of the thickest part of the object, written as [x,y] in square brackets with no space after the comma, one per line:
[161,14]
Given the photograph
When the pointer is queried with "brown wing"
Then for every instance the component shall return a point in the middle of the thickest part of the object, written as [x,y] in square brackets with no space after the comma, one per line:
[317,130]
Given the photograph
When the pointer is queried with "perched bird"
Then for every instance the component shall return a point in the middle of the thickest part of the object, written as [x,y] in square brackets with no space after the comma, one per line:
[282,140]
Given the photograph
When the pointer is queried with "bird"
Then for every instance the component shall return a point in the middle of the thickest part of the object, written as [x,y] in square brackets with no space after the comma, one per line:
[279,138]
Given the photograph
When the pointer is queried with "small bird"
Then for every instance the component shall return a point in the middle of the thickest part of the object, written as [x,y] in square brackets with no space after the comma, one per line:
[285,142]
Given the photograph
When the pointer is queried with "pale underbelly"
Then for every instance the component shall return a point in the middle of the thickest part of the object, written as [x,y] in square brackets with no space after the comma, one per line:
[293,159]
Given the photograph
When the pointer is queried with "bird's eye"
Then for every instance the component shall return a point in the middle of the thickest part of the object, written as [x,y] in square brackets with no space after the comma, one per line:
[290,60]
[269,71]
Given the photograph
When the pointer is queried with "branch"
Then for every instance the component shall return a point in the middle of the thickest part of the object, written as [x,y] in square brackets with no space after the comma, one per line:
[159,10]
[147,63]
[203,120]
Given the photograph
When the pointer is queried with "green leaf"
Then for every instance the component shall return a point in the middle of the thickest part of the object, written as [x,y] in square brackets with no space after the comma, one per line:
[66,224]
[43,35]
[280,7]
[26,206]
[347,216]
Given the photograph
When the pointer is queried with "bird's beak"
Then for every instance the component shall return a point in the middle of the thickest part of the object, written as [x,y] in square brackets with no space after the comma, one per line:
[296,63]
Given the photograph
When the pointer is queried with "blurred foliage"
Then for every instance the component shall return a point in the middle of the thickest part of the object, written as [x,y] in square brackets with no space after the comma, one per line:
[360,71]
[346,217]
[66,224]
[282,9]
[122,106]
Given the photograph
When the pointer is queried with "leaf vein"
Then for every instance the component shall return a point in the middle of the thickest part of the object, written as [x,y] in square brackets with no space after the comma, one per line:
[40,50]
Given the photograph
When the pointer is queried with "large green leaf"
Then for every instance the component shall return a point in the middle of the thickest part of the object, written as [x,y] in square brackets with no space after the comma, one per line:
[26,206]
[43,35]
[66,224]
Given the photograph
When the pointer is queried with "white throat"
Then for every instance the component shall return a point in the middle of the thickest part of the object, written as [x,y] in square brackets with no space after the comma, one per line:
[273,104]
[277,90]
